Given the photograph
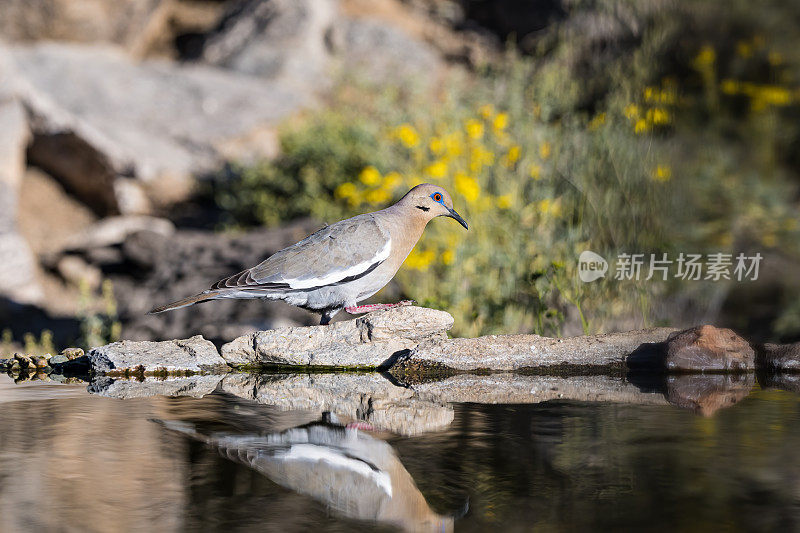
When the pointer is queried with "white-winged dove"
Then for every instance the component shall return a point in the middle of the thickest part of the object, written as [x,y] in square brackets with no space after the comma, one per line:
[341,264]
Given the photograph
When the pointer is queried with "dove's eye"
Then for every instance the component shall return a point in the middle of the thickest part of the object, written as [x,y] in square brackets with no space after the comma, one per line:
[437,197]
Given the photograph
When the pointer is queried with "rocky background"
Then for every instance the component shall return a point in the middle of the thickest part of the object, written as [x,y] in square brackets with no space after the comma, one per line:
[114,114]
[111,111]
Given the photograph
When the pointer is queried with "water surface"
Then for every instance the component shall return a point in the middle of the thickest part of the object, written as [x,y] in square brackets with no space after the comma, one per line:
[73,460]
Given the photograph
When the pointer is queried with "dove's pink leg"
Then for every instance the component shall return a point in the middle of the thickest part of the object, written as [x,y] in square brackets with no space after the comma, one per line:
[358,309]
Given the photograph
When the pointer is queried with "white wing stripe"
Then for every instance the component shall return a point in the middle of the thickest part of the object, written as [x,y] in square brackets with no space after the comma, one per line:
[339,275]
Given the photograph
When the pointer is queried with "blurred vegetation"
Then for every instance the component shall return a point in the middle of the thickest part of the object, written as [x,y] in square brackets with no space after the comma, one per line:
[676,132]
[99,325]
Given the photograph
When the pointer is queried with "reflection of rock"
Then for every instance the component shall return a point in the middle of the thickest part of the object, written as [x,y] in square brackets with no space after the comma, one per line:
[780,357]
[194,386]
[194,354]
[352,473]
[706,394]
[707,348]
[83,463]
[507,388]
[513,352]
[369,341]
[789,382]
[364,397]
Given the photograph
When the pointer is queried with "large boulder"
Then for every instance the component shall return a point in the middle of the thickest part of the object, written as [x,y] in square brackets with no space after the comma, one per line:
[118,132]
[118,21]
[18,266]
[274,39]
[307,41]
[188,355]
[708,348]
[372,341]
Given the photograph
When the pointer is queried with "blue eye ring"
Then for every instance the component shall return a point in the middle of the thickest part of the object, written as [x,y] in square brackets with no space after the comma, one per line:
[437,197]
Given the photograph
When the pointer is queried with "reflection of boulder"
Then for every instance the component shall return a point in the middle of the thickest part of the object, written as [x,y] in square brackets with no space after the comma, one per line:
[193,386]
[507,388]
[707,393]
[354,474]
[363,397]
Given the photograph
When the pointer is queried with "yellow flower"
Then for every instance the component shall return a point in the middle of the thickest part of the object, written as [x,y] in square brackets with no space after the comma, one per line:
[467,186]
[453,144]
[377,196]
[731,87]
[658,116]
[407,135]
[370,176]
[544,150]
[662,173]
[775,58]
[641,126]
[436,145]
[536,172]
[705,58]
[504,202]
[550,207]
[631,111]
[744,49]
[474,129]
[513,154]
[597,121]
[448,257]
[500,121]
[437,169]
[419,259]
[392,180]
[486,111]
[345,190]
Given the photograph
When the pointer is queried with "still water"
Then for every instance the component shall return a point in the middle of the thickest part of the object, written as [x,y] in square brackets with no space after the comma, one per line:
[273,454]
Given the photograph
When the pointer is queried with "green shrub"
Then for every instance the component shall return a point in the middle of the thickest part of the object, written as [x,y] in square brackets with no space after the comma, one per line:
[679,139]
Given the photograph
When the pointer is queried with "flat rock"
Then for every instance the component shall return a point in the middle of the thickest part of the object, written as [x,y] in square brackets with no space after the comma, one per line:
[195,354]
[371,341]
[708,348]
[514,352]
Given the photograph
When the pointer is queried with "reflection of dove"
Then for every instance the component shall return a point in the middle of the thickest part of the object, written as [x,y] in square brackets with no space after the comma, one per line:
[352,473]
